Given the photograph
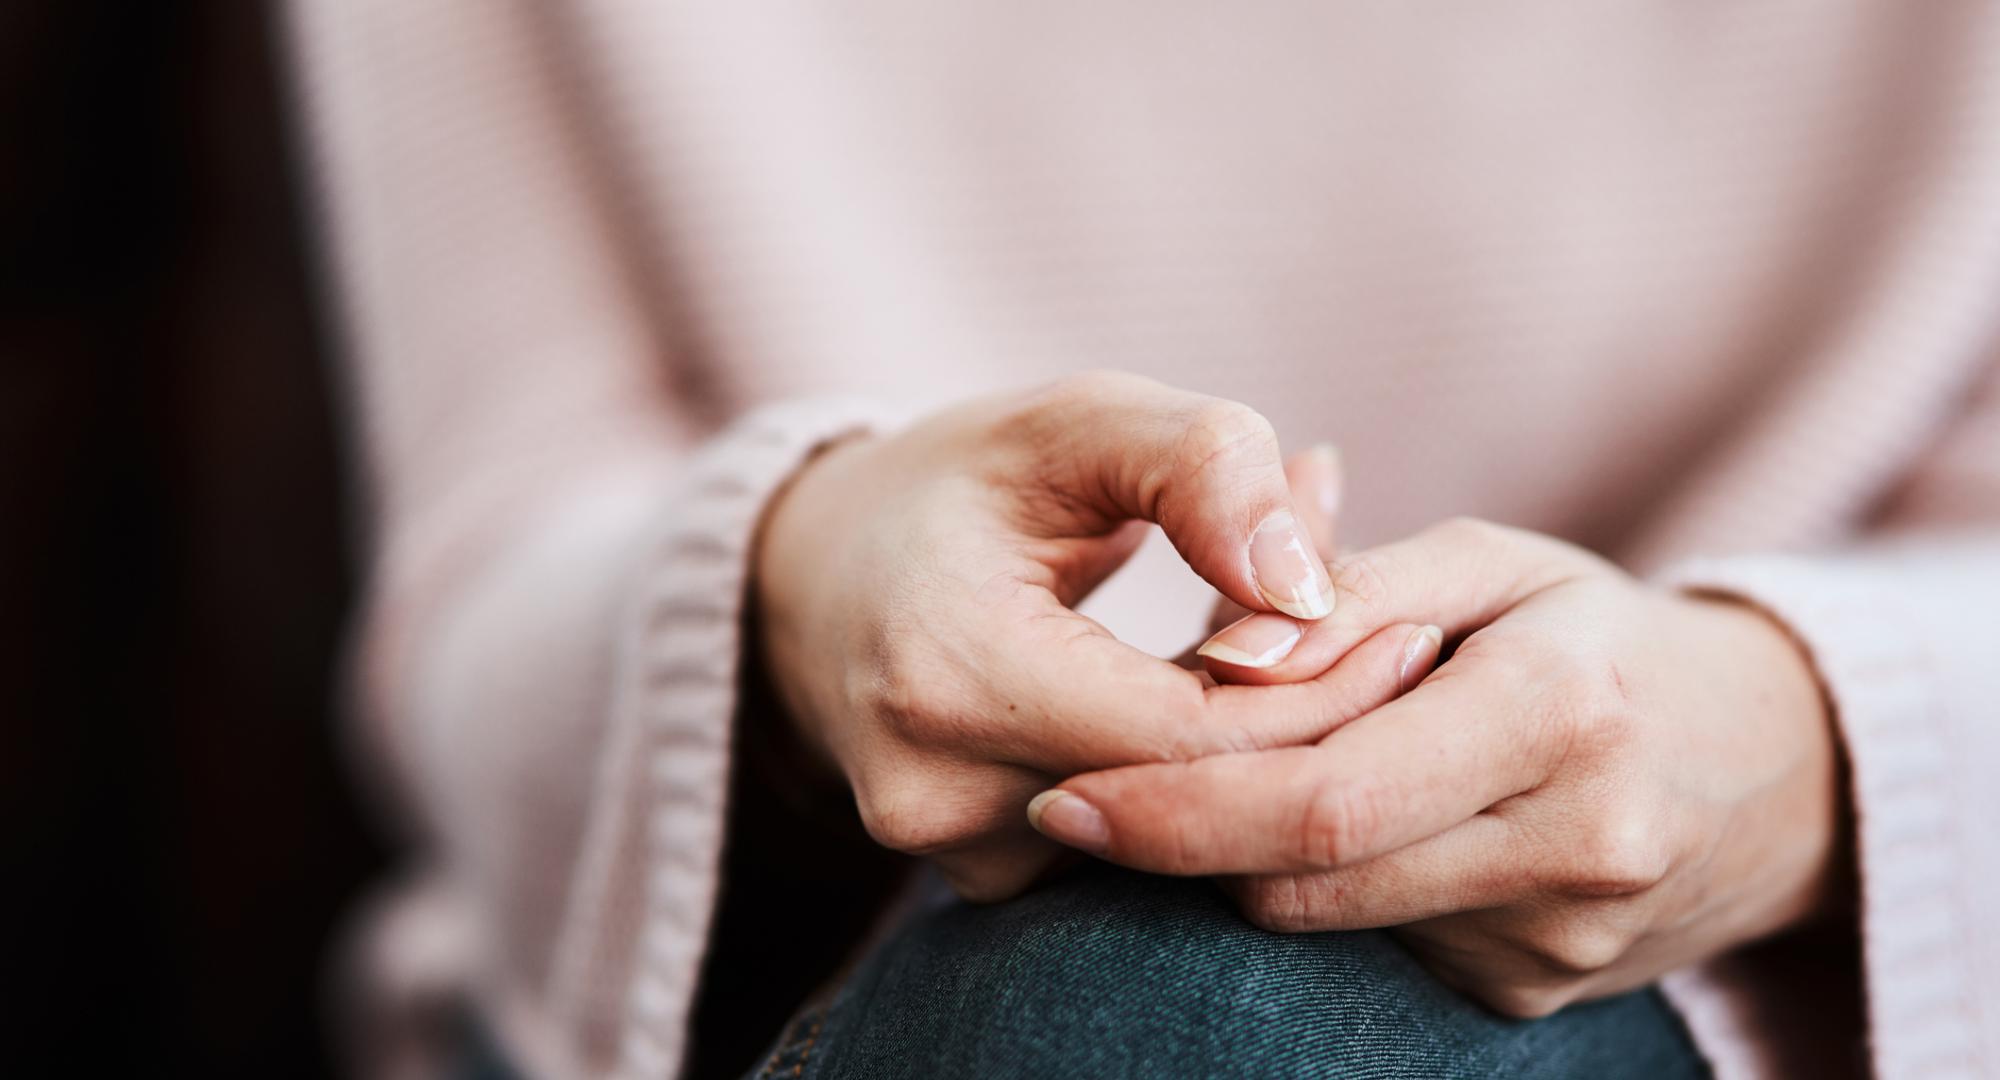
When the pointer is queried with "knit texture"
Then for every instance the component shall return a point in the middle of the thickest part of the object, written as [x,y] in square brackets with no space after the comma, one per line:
[1714,290]
[1908,690]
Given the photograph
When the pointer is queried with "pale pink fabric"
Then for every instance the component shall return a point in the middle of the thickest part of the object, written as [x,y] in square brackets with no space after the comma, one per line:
[1712,288]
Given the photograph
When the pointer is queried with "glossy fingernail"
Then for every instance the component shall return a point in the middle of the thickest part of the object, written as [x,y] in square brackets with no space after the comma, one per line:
[1254,641]
[1289,573]
[1067,818]
[1419,653]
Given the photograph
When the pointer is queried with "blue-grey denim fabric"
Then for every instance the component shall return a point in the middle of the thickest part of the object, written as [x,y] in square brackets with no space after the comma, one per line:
[1106,973]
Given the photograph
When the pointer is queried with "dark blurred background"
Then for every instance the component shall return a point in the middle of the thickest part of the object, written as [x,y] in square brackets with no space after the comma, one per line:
[180,838]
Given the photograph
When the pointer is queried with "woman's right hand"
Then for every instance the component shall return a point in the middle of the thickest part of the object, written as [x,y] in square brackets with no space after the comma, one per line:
[916,599]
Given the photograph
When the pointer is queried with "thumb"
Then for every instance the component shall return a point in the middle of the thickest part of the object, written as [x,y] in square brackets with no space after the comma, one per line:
[1204,469]
[1317,480]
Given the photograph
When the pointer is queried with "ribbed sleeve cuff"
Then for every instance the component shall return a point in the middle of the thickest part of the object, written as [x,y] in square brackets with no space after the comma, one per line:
[647,886]
[1872,647]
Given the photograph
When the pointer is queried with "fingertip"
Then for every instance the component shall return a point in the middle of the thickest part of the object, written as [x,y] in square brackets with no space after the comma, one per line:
[1068,818]
[1420,653]
[1256,641]
[1288,569]
[1256,651]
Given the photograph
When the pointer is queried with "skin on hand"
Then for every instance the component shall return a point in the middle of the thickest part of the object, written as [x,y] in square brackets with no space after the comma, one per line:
[916,603]
[1604,781]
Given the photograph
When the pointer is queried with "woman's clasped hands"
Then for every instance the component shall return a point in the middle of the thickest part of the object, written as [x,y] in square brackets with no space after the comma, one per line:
[1600,782]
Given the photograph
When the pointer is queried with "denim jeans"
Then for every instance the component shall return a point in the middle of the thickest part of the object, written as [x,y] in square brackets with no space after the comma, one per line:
[1106,973]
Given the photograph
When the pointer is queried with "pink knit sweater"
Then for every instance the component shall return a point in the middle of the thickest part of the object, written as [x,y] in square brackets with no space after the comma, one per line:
[1714,289]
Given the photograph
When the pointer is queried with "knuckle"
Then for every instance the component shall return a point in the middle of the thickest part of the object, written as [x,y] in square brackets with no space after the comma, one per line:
[1578,947]
[1580,703]
[907,818]
[1505,662]
[1225,438]
[1050,415]
[1096,386]
[1178,847]
[1538,560]
[1183,731]
[907,709]
[1361,580]
[907,697]
[1470,532]
[1170,744]
[1620,856]
[1593,720]
[1566,665]
[1340,823]
[1278,903]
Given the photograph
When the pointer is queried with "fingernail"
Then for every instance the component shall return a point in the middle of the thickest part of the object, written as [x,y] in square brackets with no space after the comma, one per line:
[1418,654]
[1066,818]
[1257,640]
[1289,573]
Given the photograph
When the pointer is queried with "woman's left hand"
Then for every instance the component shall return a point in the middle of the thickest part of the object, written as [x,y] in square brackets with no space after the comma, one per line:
[1604,782]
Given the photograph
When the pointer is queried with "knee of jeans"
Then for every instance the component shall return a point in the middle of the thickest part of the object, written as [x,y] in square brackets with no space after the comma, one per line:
[1105,970]
[1108,934]
[1109,973]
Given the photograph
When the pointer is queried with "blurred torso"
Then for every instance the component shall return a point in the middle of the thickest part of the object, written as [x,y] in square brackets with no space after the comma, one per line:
[1545,266]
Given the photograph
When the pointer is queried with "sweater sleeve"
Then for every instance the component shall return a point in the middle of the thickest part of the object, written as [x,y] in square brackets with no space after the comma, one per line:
[1904,629]
[547,651]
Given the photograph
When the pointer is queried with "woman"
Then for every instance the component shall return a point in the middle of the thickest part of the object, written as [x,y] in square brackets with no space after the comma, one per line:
[1709,293]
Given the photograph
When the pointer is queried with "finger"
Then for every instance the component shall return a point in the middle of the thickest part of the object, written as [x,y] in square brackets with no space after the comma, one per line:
[1478,864]
[1091,707]
[1002,866]
[1457,576]
[1317,481]
[966,819]
[1389,663]
[969,822]
[923,804]
[1204,469]
[1054,688]
[1475,954]
[1411,769]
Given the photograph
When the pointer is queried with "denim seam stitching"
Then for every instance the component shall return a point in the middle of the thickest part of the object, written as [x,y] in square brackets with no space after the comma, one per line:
[786,1045]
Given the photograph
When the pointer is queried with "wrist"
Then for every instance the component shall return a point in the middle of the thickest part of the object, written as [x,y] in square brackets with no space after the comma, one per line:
[793,556]
[1814,819]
